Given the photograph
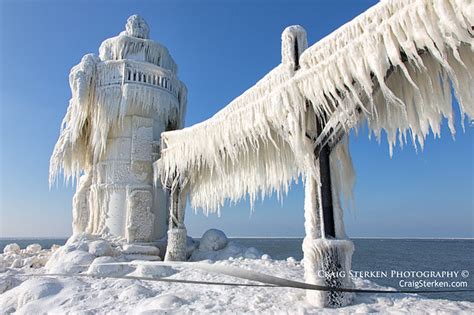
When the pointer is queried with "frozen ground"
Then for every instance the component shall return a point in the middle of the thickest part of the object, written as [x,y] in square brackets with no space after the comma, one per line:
[33,295]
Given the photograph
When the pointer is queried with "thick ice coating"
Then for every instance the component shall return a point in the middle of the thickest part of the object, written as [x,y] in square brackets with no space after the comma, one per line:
[121,102]
[393,66]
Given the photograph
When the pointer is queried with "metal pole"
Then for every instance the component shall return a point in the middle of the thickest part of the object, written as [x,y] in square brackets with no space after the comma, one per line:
[326,192]
[176,248]
[174,204]
[324,153]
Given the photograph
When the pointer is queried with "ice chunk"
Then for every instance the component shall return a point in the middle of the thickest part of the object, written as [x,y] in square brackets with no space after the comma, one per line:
[266,257]
[213,239]
[291,260]
[13,248]
[252,253]
[33,248]
[100,248]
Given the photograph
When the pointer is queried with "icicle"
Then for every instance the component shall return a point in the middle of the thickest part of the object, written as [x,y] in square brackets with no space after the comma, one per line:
[343,180]
[128,47]
[108,93]
[95,108]
[391,66]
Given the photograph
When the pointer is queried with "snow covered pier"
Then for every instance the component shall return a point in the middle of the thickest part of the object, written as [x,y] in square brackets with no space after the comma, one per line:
[393,67]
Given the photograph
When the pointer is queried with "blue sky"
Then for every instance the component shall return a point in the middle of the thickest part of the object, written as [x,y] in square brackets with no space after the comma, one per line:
[222,48]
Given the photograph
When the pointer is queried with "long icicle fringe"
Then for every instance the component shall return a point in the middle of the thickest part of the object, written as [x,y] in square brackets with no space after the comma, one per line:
[392,66]
[102,93]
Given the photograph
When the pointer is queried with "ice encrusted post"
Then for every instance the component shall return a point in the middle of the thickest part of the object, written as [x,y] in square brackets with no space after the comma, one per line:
[327,256]
[176,248]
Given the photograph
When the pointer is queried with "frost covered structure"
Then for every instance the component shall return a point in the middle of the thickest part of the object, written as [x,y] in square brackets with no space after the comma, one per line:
[121,102]
[393,67]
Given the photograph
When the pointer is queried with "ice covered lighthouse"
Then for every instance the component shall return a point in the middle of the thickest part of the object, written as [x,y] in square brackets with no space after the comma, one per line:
[121,102]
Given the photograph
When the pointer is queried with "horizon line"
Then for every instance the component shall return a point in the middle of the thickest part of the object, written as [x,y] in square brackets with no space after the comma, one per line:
[262,237]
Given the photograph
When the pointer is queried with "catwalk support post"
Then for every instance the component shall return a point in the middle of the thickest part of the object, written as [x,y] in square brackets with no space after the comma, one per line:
[176,248]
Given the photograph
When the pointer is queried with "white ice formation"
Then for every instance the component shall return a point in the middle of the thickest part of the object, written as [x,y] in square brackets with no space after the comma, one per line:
[394,66]
[213,240]
[121,102]
[214,245]
[84,252]
[33,256]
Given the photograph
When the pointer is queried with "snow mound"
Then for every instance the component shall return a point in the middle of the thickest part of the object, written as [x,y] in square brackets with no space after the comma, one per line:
[7,281]
[167,303]
[135,292]
[64,261]
[100,248]
[153,271]
[30,290]
[102,266]
[213,239]
[79,252]
[79,241]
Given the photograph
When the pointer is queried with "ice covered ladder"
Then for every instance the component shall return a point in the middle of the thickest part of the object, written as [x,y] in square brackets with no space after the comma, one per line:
[327,252]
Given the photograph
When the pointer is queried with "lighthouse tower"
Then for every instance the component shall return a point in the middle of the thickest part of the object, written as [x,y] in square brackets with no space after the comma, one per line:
[121,102]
